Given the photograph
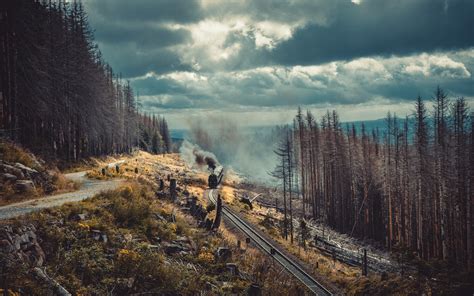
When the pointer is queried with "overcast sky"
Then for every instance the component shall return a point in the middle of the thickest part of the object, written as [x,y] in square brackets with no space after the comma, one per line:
[256,61]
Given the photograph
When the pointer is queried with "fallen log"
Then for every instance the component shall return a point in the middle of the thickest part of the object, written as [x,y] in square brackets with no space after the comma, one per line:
[50,282]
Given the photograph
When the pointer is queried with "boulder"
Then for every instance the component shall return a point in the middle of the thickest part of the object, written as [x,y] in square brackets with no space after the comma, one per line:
[8,178]
[6,168]
[21,244]
[223,254]
[23,186]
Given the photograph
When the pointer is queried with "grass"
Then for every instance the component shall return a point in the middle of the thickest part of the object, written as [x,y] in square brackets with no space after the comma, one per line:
[125,264]
[12,153]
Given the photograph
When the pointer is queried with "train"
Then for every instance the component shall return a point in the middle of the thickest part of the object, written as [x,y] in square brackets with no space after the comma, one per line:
[215,179]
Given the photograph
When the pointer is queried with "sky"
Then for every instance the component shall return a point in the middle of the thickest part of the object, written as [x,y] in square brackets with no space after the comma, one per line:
[257,61]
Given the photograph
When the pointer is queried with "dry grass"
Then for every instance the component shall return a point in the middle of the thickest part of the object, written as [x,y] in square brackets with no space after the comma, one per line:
[12,153]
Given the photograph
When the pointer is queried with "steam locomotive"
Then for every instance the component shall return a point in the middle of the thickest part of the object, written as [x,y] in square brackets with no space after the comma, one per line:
[215,179]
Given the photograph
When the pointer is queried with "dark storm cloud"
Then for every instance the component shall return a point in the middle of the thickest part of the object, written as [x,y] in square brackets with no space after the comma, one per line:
[145,35]
[254,55]
[381,28]
[133,35]
[131,61]
[178,11]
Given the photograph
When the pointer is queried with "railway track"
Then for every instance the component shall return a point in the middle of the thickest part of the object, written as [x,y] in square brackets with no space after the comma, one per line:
[290,265]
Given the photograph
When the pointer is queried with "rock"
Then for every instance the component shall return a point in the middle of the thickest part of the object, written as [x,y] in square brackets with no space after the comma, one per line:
[8,178]
[37,257]
[172,248]
[96,234]
[26,170]
[23,186]
[6,246]
[21,244]
[79,217]
[223,254]
[5,168]
[153,247]
[99,236]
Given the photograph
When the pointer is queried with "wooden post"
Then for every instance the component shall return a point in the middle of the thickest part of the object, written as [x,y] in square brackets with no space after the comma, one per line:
[173,189]
[217,220]
[364,263]
[162,185]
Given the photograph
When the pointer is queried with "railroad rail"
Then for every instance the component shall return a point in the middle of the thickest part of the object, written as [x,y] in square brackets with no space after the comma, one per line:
[292,267]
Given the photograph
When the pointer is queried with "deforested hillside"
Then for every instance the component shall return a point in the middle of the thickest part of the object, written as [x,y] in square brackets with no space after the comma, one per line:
[58,96]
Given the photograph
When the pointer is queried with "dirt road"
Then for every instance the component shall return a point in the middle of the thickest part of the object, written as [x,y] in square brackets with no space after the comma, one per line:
[88,189]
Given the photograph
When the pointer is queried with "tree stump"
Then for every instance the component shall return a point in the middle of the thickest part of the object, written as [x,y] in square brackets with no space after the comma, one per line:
[173,189]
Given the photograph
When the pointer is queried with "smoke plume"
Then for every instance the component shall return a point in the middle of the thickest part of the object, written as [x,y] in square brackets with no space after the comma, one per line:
[248,151]
[195,157]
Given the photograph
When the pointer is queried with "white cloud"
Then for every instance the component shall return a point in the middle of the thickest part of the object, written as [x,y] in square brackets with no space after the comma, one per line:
[436,66]
[367,69]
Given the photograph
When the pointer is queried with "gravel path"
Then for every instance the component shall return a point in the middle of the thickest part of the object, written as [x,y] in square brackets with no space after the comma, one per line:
[88,189]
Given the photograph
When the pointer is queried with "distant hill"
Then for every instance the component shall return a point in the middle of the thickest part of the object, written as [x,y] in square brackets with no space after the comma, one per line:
[380,124]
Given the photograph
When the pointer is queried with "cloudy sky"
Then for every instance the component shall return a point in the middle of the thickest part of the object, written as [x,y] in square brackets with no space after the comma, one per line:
[256,61]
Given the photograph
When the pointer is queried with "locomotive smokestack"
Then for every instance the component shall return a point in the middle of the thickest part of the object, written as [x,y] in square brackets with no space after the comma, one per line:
[211,163]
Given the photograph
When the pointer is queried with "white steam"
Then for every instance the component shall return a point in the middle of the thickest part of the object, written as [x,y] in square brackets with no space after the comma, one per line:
[247,151]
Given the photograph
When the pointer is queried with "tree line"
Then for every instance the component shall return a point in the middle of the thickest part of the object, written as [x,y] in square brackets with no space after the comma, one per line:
[58,96]
[409,186]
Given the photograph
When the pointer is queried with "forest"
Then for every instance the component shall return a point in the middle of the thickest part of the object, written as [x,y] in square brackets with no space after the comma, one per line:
[409,187]
[58,97]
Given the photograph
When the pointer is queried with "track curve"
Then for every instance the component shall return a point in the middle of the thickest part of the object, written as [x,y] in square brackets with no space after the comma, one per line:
[290,265]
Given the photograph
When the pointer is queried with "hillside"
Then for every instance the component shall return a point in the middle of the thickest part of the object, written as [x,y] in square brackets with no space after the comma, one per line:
[136,238]
[139,239]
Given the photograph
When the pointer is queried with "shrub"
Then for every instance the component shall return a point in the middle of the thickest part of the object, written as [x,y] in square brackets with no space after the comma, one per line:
[130,208]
